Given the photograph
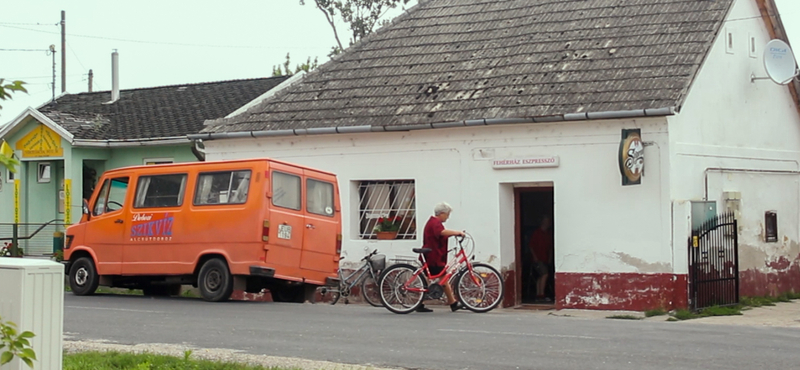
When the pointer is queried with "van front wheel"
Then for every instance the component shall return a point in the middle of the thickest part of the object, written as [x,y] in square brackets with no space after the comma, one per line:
[215,281]
[83,279]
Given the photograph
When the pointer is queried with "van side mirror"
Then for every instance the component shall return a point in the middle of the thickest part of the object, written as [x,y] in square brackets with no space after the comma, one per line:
[85,209]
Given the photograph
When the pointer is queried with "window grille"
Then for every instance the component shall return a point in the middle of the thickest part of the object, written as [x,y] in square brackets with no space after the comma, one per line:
[395,198]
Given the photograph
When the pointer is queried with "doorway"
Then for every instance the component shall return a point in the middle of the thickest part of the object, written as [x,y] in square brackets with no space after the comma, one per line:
[535,244]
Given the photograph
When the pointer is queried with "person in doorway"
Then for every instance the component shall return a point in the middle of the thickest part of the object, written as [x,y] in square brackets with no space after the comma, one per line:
[435,238]
[541,246]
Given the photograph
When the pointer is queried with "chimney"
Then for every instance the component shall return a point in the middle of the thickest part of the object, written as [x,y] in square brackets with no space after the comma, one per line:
[114,76]
[91,77]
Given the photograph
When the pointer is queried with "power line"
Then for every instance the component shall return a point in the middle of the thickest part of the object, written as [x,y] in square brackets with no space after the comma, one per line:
[24,50]
[29,24]
[160,42]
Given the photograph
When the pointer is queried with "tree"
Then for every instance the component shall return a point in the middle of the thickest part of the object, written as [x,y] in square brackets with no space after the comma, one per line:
[362,16]
[15,345]
[6,153]
[307,67]
[7,89]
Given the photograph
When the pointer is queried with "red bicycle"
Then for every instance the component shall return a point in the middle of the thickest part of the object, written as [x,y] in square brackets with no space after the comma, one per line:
[478,286]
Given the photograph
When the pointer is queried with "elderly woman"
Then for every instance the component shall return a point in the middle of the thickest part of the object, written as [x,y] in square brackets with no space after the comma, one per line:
[435,237]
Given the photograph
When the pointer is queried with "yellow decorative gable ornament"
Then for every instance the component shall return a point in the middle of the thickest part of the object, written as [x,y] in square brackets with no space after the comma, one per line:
[40,142]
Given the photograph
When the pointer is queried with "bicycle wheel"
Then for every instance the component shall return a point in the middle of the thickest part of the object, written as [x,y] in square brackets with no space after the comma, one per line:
[393,288]
[370,291]
[481,290]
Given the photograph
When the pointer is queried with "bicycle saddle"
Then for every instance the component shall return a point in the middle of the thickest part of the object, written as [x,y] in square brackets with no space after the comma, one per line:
[421,250]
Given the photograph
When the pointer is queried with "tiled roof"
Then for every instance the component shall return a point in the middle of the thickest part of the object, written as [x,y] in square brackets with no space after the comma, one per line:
[157,112]
[454,60]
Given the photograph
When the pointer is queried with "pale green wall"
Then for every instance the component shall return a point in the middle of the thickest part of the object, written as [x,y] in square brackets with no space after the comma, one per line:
[39,201]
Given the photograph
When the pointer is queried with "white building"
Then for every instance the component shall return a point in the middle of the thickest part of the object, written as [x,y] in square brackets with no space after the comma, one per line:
[513,110]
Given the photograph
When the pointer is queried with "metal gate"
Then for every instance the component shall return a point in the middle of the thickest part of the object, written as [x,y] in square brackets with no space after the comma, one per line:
[714,263]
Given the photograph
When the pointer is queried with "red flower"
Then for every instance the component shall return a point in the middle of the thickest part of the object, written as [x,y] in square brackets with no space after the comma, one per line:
[380,220]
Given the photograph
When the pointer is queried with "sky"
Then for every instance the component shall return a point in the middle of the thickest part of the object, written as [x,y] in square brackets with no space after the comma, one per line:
[171,42]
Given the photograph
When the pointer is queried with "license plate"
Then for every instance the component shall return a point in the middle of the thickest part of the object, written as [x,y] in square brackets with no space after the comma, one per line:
[284,232]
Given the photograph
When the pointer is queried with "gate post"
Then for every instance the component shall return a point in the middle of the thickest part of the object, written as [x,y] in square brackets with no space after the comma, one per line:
[15,240]
[736,254]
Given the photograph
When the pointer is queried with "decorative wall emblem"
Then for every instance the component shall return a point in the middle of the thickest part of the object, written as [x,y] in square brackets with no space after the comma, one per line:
[631,157]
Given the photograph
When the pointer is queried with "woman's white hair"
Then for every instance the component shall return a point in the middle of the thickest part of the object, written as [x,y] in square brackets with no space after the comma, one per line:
[442,208]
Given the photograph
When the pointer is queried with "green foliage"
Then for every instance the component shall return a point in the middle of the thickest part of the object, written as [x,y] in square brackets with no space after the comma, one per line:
[655,312]
[756,301]
[362,16]
[13,344]
[308,66]
[624,317]
[707,312]
[146,361]
[7,88]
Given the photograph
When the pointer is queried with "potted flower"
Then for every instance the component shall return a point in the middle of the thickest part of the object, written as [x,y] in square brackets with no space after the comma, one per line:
[387,227]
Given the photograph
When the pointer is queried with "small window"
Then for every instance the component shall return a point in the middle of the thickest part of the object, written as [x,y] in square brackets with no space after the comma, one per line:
[44,172]
[160,191]
[319,197]
[112,196]
[152,161]
[228,187]
[9,175]
[729,41]
[286,190]
[387,199]
[771,227]
[753,47]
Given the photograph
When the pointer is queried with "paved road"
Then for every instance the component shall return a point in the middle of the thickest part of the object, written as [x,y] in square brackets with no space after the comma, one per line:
[502,339]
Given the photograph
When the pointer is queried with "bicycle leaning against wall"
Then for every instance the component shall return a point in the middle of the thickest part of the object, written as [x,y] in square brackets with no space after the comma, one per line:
[367,275]
[478,286]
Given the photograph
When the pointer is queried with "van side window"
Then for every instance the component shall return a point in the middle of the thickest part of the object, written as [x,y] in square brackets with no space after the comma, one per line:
[319,197]
[228,187]
[160,191]
[286,190]
[112,196]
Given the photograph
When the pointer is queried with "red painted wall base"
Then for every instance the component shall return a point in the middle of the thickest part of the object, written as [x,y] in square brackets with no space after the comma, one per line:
[621,291]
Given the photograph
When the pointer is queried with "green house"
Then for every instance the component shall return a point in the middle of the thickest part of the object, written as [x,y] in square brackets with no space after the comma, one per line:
[64,146]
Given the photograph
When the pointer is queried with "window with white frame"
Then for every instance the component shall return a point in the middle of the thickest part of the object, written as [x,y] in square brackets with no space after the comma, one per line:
[382,199]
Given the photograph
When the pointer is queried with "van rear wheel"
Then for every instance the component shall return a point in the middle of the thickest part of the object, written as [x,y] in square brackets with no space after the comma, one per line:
[215,281]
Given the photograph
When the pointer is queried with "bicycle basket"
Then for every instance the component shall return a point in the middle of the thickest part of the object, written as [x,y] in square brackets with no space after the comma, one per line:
[378,262]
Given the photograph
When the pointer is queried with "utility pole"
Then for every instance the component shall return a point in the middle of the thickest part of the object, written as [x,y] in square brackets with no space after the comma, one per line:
[63,52]
[91,77]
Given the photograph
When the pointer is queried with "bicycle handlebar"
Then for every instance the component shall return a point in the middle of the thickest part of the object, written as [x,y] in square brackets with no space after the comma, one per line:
[370,255]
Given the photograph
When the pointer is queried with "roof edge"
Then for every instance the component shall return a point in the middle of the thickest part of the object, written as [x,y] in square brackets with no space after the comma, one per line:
[39,116]
[774,24]
[117,143]
[652,112]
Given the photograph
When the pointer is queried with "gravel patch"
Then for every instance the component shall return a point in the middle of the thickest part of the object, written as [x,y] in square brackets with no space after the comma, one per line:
[213,354]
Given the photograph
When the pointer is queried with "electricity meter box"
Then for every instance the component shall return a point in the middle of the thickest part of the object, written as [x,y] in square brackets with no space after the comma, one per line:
[32,296]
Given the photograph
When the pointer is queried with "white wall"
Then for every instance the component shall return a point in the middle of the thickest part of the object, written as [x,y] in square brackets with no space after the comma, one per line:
[730,122]
[600,225]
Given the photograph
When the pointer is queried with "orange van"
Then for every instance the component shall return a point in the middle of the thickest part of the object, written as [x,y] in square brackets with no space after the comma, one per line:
[219,226]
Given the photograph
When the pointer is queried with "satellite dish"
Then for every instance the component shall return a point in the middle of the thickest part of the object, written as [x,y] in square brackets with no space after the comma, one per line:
[779,62]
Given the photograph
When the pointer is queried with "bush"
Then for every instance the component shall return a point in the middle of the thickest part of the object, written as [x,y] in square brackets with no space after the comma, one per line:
[15,345]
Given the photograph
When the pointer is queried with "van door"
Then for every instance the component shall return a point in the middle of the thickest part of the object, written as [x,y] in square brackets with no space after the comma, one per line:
[105,231]
[286,218]
[154,246]
[322,223]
